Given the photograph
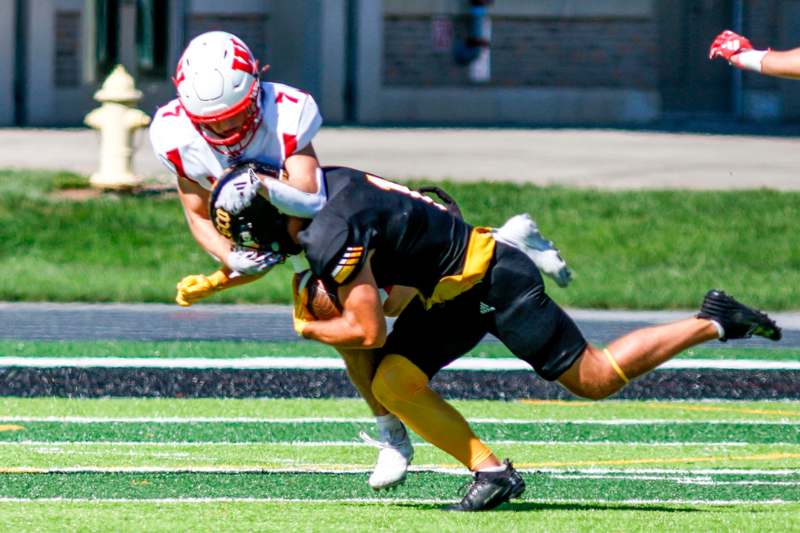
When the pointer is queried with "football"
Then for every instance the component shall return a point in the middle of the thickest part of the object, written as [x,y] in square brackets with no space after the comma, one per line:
[323,303]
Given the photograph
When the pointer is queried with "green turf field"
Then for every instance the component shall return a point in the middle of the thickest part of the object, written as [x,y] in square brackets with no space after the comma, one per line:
[240,465]
[635,249]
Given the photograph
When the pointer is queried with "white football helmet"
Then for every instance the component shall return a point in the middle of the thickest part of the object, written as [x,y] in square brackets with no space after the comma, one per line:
[217,80]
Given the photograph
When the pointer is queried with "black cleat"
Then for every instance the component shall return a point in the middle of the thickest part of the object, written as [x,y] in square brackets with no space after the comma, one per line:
[738,320]
[490,489]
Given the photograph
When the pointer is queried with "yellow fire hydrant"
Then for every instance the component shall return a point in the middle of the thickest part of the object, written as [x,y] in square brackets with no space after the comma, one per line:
[117,119]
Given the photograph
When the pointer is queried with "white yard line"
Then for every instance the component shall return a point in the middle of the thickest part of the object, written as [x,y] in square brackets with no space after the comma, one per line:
[359,443]
[697,476]
[310,363]
[390,501]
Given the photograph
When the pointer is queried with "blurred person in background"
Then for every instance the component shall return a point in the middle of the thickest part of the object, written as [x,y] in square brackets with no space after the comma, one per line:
[740,53]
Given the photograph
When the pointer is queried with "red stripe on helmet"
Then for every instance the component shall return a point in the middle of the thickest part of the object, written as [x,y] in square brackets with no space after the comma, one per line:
[242,60]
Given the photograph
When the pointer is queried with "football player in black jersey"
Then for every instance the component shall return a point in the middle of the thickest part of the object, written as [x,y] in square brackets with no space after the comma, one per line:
[373,233]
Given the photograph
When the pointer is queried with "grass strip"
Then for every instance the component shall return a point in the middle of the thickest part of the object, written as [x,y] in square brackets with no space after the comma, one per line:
[309,408]
[420,485]
[632,249]
[243,349]
[573,517]
[22,456]
[342,431]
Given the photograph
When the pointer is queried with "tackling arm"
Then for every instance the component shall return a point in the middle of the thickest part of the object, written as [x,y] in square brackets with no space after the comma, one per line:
[362,323]
[303,193]
[194,200]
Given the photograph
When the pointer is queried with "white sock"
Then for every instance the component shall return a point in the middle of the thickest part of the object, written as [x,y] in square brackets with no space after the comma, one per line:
[720,329]
[500,468]
[390,428]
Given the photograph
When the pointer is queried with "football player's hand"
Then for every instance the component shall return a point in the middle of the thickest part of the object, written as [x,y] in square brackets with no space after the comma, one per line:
[301,315]
[248,262]
[736,50]
[246,187]
[196,287]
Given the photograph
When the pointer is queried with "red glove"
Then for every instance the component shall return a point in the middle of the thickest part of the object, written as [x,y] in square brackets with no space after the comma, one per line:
[736,50]
[728,44]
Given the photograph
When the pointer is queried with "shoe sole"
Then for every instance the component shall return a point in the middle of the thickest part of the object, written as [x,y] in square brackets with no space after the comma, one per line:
[390,485]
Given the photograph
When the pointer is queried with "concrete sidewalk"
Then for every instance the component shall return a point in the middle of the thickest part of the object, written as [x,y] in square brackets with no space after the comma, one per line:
[612,159]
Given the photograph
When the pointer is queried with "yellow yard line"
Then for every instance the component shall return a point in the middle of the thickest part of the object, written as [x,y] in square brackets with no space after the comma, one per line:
[656,460]
[712,408]
[677,406]
[11,427]
[568,403]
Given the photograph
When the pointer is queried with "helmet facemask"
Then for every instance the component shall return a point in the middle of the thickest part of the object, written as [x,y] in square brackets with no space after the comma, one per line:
[232,144]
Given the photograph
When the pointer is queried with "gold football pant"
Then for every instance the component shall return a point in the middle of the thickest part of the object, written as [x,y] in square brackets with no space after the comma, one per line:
[403,389]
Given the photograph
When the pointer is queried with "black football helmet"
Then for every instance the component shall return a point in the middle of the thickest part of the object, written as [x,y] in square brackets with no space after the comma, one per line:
[259,226]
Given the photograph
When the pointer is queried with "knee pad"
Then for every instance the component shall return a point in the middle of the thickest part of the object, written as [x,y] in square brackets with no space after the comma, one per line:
[397,379]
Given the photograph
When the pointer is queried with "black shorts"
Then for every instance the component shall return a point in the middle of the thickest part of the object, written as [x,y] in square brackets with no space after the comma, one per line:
[510,303]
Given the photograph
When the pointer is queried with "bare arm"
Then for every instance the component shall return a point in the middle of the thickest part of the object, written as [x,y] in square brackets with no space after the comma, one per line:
[194,200]
[301,193]
[362,324]
[301,169]
[782,64]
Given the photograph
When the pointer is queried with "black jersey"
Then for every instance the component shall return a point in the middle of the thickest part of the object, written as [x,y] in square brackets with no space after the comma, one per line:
[415,241]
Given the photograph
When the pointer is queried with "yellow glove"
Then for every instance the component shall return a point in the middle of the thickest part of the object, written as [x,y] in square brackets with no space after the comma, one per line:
[198,286]
[301,316]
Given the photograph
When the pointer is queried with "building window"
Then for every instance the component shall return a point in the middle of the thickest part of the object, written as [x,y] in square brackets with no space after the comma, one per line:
[107,35]
[67,62]
[152,25]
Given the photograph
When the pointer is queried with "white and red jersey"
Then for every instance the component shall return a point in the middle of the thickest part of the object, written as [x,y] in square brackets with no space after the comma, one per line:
[289,120]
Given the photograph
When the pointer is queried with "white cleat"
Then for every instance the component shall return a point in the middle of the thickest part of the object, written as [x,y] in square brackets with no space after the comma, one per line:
[523,233]
[393,460]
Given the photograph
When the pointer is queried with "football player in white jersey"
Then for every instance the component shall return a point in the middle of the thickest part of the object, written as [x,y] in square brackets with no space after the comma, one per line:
[740,53]
[225,113]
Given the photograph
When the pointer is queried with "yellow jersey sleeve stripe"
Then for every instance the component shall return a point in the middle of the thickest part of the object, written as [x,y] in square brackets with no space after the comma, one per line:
[341,273]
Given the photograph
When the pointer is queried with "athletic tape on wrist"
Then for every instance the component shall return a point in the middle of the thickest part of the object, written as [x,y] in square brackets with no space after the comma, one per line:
[751,59]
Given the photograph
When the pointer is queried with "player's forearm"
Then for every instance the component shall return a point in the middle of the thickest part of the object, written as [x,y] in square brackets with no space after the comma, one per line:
[207,237]
[342,332]
[782,64]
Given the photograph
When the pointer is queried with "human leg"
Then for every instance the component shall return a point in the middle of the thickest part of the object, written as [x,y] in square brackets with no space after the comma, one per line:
[598,373]
[395,449]
[403,388]
[429,340]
